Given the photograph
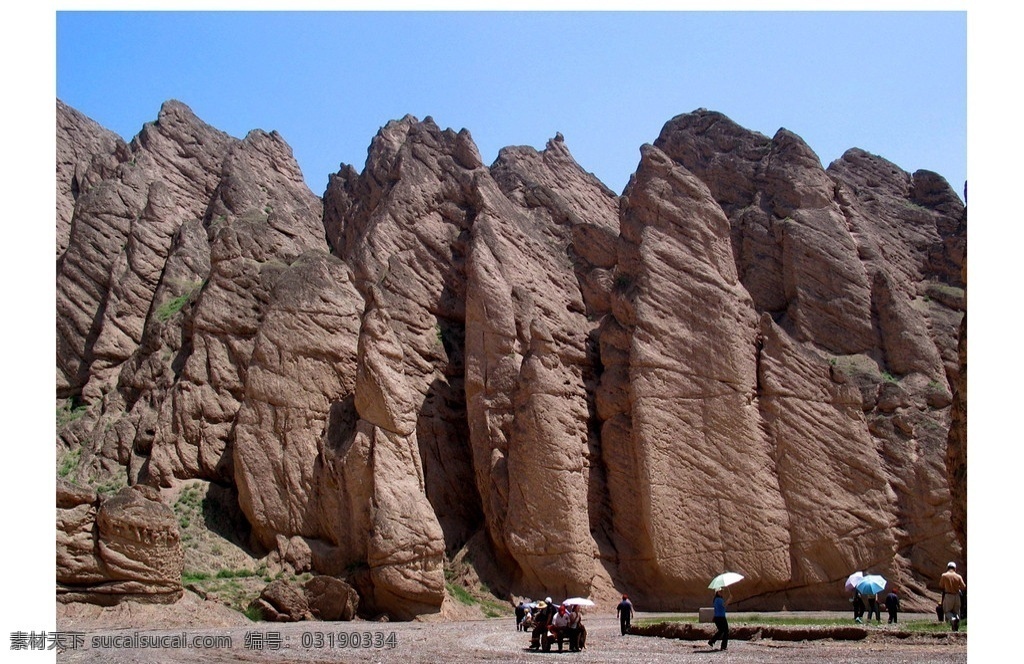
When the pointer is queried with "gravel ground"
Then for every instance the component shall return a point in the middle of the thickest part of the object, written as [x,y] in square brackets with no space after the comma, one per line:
[488,641]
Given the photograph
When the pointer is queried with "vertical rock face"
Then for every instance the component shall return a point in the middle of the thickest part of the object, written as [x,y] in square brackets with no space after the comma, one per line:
[743,363]
[830,473]
[956,450]
[400,226]
[538,264]
[700,476]
[121,232]
[80,143]
[781,205]
[475,342]
[261,218]
[857,269]
[302,361]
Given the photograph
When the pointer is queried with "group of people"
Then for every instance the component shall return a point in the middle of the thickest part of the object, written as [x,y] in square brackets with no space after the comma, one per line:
[892,605]
[949,609]
[552,623]
[558,623]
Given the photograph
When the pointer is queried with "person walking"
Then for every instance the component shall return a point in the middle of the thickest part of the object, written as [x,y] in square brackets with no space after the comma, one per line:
[520,614]
[952,585]
[858,606]
[720,622]
[873,608]
[892,605]
[625,613]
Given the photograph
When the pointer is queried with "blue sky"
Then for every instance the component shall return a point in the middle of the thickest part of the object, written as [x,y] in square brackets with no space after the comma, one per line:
[891,83]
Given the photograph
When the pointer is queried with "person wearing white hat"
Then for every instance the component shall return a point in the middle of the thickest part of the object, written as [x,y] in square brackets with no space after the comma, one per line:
[952,585]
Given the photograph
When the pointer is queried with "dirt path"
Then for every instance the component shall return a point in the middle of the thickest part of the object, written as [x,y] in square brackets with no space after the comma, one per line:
[480,641]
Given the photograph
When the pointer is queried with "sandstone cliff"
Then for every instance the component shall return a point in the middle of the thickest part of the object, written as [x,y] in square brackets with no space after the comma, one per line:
[744,362]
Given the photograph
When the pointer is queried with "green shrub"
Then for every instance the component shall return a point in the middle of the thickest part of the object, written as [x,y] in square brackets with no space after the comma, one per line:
[188,498]
[235,574]
[168,309]
[68,413]
[669,619]
[461,594]
[111,486]
[70,462]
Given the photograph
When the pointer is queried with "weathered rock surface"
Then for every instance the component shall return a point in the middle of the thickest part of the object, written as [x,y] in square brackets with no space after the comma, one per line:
[260,219]
[697,492]
[846,262]
[331,599]
[125,547]
[303,360]
[282,601]
[746,362]
[320,598]
[123,222]
[80,143]
[956,448]
[828,468]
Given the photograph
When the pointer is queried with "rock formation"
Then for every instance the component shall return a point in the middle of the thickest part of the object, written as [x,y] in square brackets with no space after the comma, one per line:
[331,599]
[122,547]
[320,598]
[81,144]
[745,362]
[956,450]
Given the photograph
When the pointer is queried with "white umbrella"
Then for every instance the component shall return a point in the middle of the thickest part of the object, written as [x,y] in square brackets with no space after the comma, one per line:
[854,579]
[723,580]
[578,601]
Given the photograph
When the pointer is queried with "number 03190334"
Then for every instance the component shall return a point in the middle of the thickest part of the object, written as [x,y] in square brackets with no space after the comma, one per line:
[349,640]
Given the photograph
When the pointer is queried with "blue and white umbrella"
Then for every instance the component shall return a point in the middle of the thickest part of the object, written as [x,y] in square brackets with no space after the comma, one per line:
[871,585]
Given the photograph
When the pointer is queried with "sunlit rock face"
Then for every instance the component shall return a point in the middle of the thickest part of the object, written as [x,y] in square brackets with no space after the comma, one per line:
[116,548]
[745,362]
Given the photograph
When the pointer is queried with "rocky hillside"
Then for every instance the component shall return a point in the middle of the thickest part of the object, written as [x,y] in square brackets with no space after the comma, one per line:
[744,362]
